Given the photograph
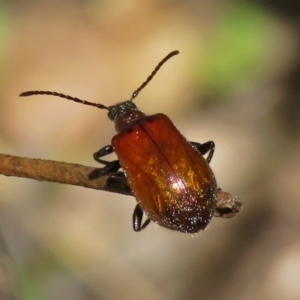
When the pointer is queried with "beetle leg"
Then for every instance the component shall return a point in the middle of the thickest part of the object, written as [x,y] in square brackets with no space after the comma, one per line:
[102,152]
[137,219]
[111,168]
[204,148]
[118,183]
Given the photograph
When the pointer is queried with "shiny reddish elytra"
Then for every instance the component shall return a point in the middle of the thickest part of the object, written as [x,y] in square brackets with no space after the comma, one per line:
[171,180]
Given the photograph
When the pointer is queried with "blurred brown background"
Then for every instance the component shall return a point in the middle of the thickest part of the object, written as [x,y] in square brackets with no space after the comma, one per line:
[236,82]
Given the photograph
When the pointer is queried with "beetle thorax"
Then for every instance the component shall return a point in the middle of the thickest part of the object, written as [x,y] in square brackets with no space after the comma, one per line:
[123,114]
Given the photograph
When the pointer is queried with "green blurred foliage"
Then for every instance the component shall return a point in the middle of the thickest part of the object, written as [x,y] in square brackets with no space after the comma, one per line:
[235,53]
[29,287]
[41,268]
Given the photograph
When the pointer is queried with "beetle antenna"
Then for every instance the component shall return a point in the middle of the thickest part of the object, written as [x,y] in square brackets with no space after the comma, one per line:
[136,92]
[30,93]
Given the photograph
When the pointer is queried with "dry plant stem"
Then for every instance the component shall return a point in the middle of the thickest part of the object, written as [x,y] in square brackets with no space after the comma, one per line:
[54,171]
[61,172]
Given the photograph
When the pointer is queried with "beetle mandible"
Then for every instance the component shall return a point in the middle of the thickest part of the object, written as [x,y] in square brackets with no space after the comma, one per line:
[168,175]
